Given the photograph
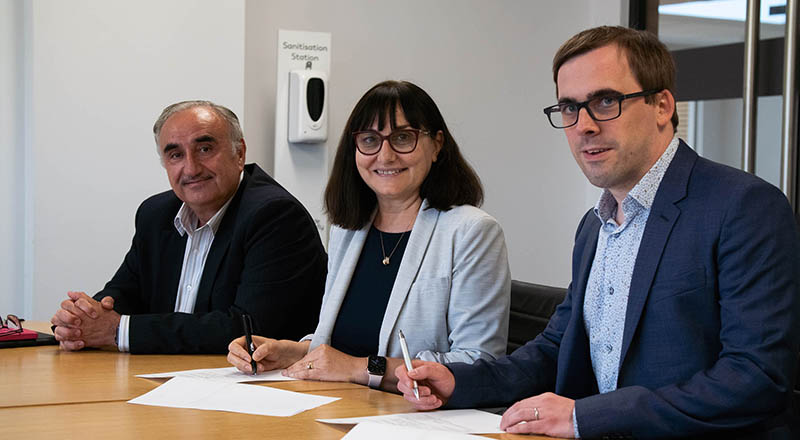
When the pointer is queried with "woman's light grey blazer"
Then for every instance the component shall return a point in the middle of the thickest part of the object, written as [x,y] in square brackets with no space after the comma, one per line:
[452,292]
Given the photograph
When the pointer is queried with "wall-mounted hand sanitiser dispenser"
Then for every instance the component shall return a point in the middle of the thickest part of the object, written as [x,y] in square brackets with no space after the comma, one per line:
[308,106]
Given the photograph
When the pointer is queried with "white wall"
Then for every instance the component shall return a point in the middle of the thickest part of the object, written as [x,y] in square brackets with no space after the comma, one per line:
[85,80]
[100,73]
[486,64]
[11,150]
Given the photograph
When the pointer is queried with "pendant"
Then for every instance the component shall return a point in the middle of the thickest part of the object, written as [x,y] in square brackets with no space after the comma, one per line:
[385,261]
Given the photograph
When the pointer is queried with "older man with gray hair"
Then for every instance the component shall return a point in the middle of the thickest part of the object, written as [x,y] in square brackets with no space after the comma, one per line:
[227,240]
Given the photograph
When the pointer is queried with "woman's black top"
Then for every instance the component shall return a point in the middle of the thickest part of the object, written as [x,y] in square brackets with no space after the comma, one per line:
[361,315]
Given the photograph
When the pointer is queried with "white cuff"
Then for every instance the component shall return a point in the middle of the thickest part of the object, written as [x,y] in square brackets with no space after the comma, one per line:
[122,333]
[575,424]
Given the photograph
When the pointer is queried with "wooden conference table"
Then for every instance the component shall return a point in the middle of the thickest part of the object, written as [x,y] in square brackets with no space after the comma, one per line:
[48,393]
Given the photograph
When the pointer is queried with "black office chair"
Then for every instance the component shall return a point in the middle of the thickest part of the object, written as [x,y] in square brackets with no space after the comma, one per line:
[531,308]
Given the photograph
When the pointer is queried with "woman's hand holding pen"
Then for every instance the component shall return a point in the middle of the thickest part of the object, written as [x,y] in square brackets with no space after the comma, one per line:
[329,364]
[326,363]
[270,354]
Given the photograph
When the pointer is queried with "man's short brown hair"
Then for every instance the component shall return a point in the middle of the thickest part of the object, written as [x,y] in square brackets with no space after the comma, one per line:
[649,60]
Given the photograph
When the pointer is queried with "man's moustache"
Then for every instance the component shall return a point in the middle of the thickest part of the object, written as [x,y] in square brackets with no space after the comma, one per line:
[194,180]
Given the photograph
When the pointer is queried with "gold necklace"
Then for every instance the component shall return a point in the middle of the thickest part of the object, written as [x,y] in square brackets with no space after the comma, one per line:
[387,257]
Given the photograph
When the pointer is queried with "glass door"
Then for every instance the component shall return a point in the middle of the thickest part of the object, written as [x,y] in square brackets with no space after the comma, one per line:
[707,41]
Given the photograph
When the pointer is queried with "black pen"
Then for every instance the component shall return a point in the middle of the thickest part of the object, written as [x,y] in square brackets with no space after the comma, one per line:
[248,337]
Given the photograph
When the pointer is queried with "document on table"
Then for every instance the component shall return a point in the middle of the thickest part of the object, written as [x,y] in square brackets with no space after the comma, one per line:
[228,375]
[455,420]
[187,392]
[371,431]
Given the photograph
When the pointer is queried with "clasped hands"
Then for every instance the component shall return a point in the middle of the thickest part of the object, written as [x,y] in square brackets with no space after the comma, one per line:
[323,363]
[547,413]
[84,322]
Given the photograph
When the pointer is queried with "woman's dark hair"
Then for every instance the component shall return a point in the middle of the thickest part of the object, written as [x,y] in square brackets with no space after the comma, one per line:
[350,203]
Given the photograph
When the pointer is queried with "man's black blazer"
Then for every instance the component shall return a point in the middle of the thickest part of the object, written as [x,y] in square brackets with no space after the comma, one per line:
[266,260]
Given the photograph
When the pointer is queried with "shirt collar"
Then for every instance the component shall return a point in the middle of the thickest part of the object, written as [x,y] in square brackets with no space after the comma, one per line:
[643,194]
[186,220]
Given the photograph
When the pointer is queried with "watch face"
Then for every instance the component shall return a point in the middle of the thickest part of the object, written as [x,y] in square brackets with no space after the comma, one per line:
[376,365]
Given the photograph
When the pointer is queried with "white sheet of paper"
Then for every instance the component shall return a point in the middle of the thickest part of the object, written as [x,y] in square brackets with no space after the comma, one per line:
[226,374]
[187,392]
[455,420]
[371,431]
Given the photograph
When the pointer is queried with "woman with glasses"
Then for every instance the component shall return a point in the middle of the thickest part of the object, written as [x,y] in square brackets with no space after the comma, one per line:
[409,251]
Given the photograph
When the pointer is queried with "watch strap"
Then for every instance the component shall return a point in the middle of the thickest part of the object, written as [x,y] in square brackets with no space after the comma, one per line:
[376,368]
[375,380]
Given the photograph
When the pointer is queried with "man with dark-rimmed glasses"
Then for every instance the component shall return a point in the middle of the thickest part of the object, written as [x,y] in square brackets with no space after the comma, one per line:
[682,315]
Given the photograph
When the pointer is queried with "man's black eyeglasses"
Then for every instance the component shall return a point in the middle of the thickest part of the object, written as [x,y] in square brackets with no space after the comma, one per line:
[601,108]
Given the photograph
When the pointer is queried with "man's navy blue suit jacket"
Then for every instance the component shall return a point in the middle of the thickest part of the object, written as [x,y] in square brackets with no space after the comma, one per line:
[266,260]
[712,325]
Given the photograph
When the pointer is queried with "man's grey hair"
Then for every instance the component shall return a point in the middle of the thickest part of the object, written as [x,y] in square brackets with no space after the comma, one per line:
[223,112]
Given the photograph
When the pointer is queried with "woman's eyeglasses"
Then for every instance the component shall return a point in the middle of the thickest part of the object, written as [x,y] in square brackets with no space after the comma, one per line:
[11,325]
[403,141]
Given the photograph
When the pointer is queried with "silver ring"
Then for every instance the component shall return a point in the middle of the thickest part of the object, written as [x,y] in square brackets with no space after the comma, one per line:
[536,413]
[310,366]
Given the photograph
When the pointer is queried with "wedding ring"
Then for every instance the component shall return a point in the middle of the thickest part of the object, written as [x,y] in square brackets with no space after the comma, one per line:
[536,413]
[310,366]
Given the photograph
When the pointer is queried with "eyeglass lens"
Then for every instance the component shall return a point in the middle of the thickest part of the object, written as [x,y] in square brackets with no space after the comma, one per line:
[603,108]
[402,141]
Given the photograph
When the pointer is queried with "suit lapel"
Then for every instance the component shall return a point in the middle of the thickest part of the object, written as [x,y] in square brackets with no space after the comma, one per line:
[173,246]
[575,376]
[663,215]
[587,258]
[407,272]
[341,283]
[219,249]
[211,269]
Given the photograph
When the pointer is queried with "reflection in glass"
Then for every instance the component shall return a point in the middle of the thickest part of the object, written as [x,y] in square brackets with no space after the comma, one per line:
[714,127]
